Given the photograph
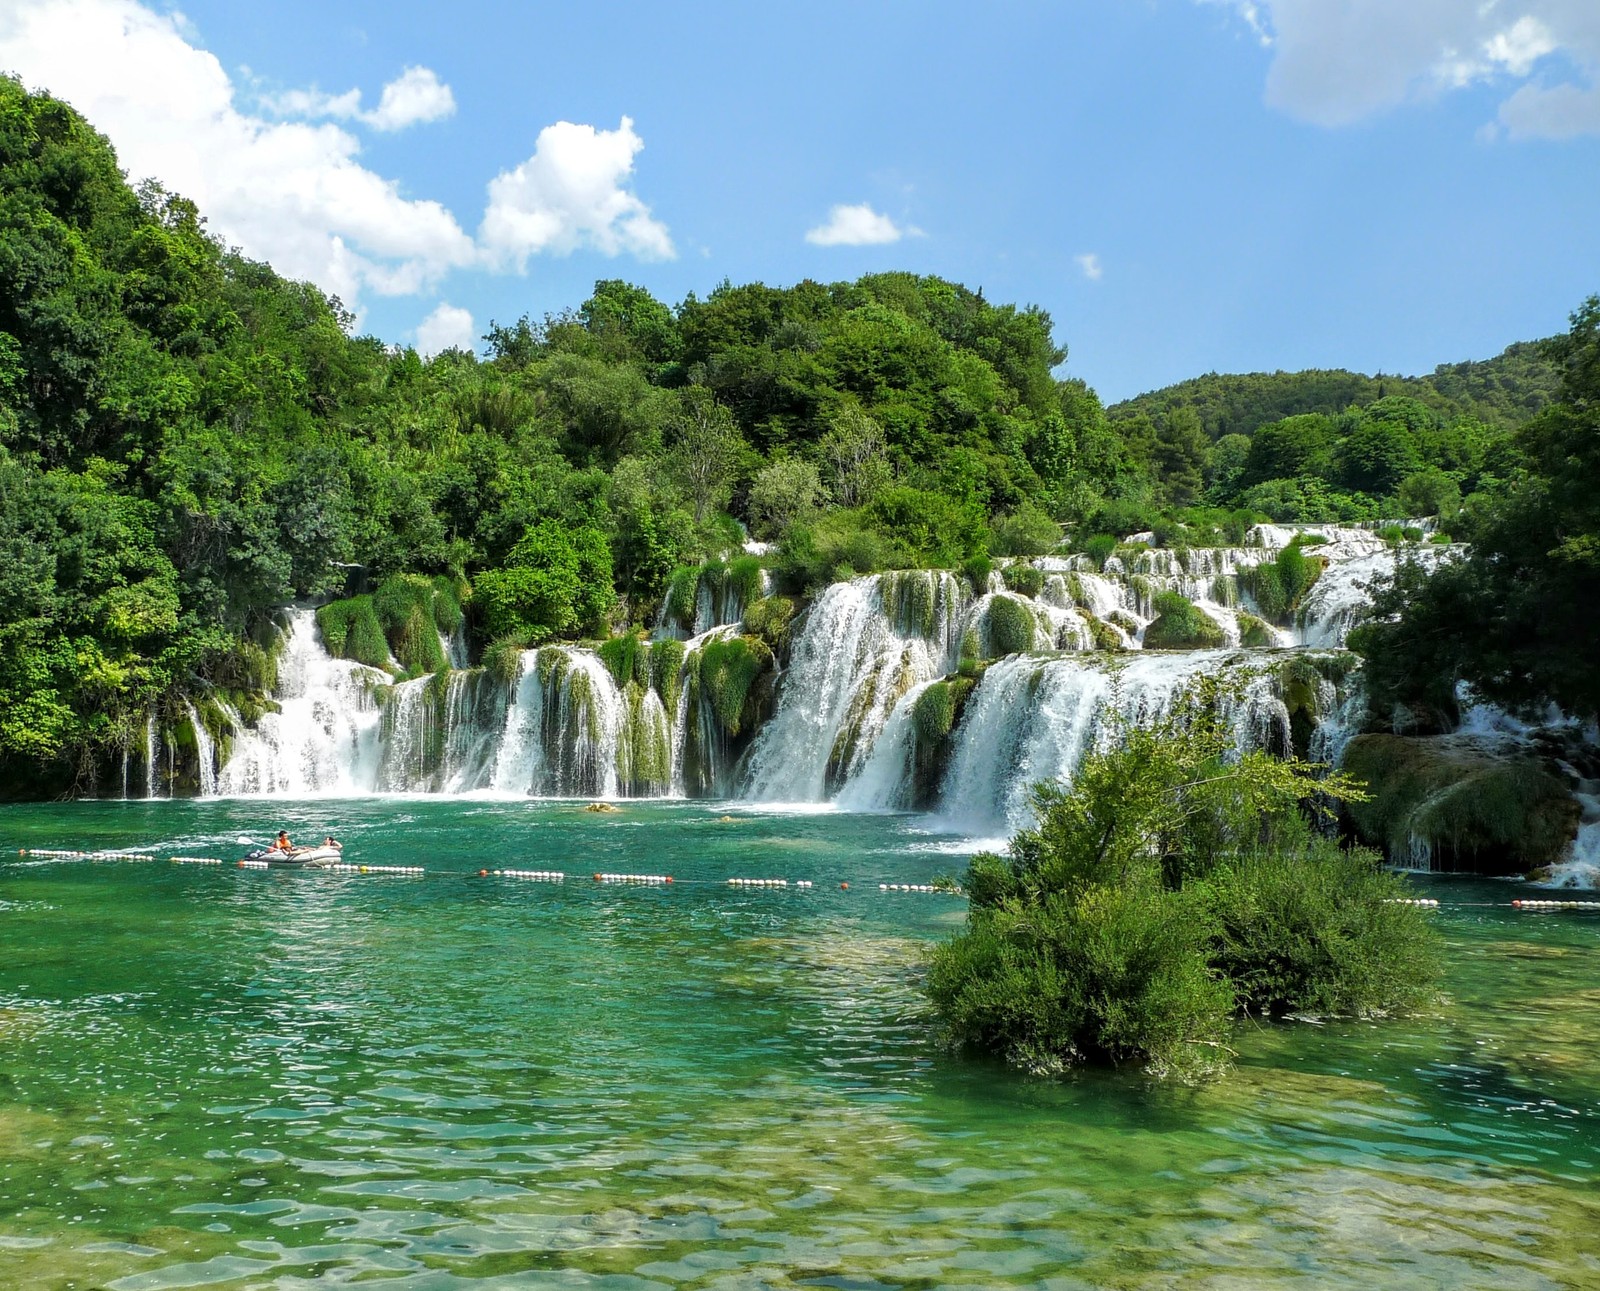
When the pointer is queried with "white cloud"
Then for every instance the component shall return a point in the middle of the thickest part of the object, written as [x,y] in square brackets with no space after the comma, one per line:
[294,192]
[571,193]
[290,192]
[1336,62]
[448,327]
[856,226]
[414,97]
[1089,262]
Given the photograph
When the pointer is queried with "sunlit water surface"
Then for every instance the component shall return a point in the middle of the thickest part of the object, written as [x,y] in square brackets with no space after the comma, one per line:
[224,1078]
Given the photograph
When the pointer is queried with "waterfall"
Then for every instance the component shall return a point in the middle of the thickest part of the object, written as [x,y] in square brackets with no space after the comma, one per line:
[1034,719]
[863,645]
[152,753]
[324,738]
[205,752]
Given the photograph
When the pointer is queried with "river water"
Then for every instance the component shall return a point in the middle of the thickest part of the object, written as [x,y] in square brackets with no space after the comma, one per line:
[224,1078]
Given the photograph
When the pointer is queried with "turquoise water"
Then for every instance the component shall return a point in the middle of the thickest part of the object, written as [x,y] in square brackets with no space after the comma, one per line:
[226,1078]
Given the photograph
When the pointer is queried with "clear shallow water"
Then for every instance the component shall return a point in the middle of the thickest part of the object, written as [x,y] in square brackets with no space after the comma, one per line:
[215,1077]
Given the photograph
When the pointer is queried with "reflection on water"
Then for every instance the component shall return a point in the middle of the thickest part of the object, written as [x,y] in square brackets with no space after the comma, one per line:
[236,1079]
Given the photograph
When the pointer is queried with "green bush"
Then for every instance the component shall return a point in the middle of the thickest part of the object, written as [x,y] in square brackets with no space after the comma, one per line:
[627,658]
[1025,580]
[503,659]
[1010,625]
[1318,931]
[350,630]
[1181,625]
[1254,632]
[1027,531]
[934,713]
[1099,549]
[1167,886]
[769,618]
[666,669]
[976,570]
[744,579]
[726,669]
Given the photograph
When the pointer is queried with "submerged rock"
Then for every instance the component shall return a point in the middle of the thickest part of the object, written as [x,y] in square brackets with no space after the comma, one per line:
[1458,802]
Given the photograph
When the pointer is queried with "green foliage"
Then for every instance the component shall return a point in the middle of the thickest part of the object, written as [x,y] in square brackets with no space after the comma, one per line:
[1181,625]
[1166,887]
[934,713]
[351,630]
[1025,580]
[1009,627]
[1254,633]
[666,668]
[769,619]
[1279,585]
[976,570]
[727,669]
[1491,810]
[1099,548]
[503,659]
[1027,531]
[627,658]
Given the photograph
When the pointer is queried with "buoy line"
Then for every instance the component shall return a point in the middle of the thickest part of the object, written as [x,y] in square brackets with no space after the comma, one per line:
[611,878]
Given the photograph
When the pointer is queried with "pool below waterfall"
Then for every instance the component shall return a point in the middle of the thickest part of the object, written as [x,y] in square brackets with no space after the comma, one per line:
[230,1078]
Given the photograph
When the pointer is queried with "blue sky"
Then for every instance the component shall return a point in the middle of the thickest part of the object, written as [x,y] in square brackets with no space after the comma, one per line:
[1186,185]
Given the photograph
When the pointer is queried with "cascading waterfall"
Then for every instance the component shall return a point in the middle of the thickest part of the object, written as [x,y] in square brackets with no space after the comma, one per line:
[1034,719]
[205,751]
[152,753]
[653,718]
[324,738]
[864,644]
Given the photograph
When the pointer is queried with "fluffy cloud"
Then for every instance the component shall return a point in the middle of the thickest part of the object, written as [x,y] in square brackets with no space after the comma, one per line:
[414,97]
[856,226]
[447,327]
[1090,264]
[280,177]
[291,192]
[572,193]
[1338,61]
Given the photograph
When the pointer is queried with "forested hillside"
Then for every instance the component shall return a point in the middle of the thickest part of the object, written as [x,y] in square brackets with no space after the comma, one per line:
[188,442]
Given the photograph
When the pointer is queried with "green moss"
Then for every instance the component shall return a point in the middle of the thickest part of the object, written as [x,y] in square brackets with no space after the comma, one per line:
[627,658]
[1181,625]
[350,630]
[934,713]
[743,579]
[666,670]
[644,752]
[1011,626]
[1254,632]
[680,603]
[1125,621]
[1103,635]
[1471,806]
[503,659]
[1025,580]
[976,570]
[727,669]
[769,619]
[910,600]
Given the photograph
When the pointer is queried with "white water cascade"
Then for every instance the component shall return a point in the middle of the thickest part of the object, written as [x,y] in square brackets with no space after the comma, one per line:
[205,750]
[324,737]
[864,644]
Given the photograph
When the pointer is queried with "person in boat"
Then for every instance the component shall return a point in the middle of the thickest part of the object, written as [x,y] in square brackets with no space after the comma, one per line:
[283,844]
[331,841]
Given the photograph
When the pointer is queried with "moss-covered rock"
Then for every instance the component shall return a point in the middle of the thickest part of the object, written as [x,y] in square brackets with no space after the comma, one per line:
[1024,580]
[1009,627]
[934,717]
[626,657]
[1181,625]
[769,619]
[726,670]
[1460,803]
[1254,632]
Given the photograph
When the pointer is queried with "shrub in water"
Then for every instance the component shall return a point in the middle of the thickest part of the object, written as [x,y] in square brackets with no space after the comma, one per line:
[769,619]
[727,668]
[1099,549]
[1168,885]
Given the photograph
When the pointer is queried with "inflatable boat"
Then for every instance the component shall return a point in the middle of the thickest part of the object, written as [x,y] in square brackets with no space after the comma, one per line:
[299,859]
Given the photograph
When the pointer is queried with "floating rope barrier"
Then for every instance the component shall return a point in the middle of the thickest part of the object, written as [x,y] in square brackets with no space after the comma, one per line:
[633,878]
[767,883]
[1427,902]
[919,887]
[544,876]
[56,855]
[1556,905]
[198,860]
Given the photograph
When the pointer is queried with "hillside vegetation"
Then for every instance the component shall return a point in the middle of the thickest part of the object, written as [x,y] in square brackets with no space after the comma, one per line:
[189,441]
